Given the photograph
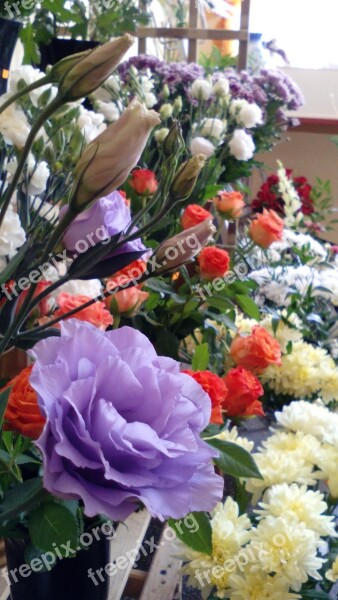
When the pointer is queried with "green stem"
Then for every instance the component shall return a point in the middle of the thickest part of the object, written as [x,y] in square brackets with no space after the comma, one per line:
[29,88]
[44,115]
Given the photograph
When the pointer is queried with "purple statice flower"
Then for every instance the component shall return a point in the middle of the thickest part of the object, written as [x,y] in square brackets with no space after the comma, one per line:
[280,87]
[141,62]
[179,74]
[104,219]
[122,425]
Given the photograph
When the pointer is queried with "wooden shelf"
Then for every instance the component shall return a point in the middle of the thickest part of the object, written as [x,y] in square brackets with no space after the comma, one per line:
[317,125]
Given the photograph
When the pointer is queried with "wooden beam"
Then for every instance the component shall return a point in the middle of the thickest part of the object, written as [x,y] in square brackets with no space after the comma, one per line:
[142,41]
[193,24]
[191,34]
[244,43]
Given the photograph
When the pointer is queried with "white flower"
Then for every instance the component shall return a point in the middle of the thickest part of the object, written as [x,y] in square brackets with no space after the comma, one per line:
[237,105]
[91,288]
[108,109]
[13,124]
[233,437]
[45,209]
[250,115]
[38,181]
[161,134]
[332,574]
[201,89]
[212,128]
[12,235]
[29,75]
[255,585]
[292,203]
[90,123]
[298,503]
[221,87]
[312,418]
[166,110]
[146,83]
[241,145]
[200,145]
[150,99]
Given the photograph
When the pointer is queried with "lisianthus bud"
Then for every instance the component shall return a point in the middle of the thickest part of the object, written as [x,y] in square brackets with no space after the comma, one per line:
[186,176]
[90,69]
[183,247]
[174,142]
[107,161]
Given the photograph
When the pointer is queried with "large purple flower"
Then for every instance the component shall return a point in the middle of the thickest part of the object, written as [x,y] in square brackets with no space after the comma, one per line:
[105,218]
[122,425]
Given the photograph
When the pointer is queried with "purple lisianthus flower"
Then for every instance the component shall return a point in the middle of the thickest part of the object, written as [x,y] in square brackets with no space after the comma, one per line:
[104,219]
[122,425]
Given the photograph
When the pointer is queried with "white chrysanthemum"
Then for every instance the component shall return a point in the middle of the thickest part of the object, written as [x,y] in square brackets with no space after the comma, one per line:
[305,445]
[250,115]
[276,467]
[298,503]
[212,128]
[161,134]
[327,461]
[12,235]
[259,586]
[200,145]
[241,145]
[231,435]
[90,123]
[201,89]
[221,87]
[332,574]
[288,549]
[29,75]
[14,126]
[108,109]
[311,418]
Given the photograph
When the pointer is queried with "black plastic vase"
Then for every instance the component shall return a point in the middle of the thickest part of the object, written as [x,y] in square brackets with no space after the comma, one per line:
[9,31]
[69,579]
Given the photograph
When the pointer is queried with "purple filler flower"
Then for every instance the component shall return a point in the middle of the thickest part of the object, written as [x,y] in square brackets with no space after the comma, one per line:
[104,219]
[122,425]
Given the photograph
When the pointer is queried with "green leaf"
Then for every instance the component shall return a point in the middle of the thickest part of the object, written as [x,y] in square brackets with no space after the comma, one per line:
[234,460]
[248,306]
[22,497]
[201,357]
[4,396]
[198,537]
[31,50]
[211,191]
[52,525]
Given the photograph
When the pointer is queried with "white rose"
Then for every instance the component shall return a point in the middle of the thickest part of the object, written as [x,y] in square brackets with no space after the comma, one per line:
[201,89]
[161,134]
[250,116]
[13,124]
[38,181]
[150,99]
[236,106]
[166,111]
[45,209]
[12,235]
[146,84]
[221,87]
[109,110]
[212,128]
[91,124]
[29,75]
[241,145]
[200,145]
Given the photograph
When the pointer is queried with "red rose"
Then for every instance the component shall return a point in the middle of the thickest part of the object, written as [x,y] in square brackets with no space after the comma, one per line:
[23,414]
[266,228]
[213,262]
[215,387]
[193,215]
[244,389]
[256,351]
[143,181]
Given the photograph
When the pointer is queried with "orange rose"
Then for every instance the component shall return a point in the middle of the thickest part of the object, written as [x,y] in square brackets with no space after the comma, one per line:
[193,215]
[266,228]
[256,351]
[143,181]
[244,389]
[97,314]
[230,204]
[215,387]
[23,414]
[130,299]
[124,196]
[214,262]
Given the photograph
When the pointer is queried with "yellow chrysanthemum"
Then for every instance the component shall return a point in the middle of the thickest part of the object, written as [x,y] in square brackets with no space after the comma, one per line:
[327,462]
[306,446]
[306,371]
[311,418]
[332,574]
[259,586]
[231,435]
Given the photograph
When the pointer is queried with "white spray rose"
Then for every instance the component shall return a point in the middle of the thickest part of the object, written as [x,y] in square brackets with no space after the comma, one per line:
[221,87]
[12,235]
[236,106]
[212,128]
[108,109]
[250,115]
[200,145]
[29,75]
[90,123]
[38,181]
[13,124]
[241,145]
[201,89]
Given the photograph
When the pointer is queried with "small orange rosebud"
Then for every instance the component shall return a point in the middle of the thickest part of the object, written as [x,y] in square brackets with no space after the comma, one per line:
[96,314]
[266,228]
[230,204]
[256,351]
[215,387]
[244,389]
[23,414]
[143,182]
[213,262]
[193,215]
